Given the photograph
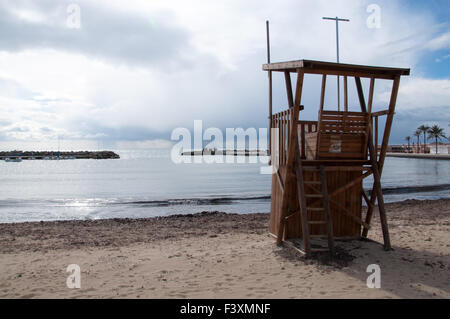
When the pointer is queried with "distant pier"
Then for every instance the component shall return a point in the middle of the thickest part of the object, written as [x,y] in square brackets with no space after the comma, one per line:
[227,152]
[52,155]
[422,156]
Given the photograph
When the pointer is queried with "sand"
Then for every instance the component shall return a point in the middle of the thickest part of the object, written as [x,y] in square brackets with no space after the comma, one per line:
[217,255]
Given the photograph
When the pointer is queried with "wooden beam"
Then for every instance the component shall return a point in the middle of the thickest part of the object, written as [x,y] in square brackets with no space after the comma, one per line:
[370,101]
[309,66]
[376,136]
[380,113]
[366,198]
[376,172]
[350,184]
[290,97]
[322,92]
[382,156]
[346,212]
[280,180]
[346,186]
[293,146]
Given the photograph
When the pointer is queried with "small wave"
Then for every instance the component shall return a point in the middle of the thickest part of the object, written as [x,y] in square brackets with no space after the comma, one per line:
[194,201]
[415,189]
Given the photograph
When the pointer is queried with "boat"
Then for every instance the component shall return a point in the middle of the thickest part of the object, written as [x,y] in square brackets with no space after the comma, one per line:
[16,159]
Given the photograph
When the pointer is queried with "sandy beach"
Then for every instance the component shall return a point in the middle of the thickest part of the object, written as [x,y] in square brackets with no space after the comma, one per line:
[217,255]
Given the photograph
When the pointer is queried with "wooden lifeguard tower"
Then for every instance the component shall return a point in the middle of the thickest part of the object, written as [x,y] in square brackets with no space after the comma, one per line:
[319,165]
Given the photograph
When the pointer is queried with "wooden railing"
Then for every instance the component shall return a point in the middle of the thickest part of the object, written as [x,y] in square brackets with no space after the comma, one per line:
[281,127]
[303,128]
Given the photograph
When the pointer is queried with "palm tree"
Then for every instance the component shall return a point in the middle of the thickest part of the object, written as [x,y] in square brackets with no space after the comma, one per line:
[417,134]
[408,139]
[437,133]
[424,129]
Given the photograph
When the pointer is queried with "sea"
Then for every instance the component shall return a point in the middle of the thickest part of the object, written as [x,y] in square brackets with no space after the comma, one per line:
[147,183]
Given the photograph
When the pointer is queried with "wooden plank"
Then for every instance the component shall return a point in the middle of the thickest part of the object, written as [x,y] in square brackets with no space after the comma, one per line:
[376,173]
[350,113]
[309,65]
[380,113]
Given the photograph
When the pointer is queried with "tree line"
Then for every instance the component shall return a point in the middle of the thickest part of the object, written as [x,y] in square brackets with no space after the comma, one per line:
[434,132]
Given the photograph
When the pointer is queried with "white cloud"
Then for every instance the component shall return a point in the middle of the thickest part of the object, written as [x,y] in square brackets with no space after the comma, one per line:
[115,87]
[440,42]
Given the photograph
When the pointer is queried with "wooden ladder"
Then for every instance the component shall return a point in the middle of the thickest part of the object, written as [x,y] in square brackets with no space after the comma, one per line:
[304,209]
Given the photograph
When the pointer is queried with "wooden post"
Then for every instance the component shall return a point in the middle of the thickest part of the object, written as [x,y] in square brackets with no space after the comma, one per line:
[322,93]
[376,172]
[270,87]
[345,94]
[291,155]
[370,101]
[376,136]
[382,156]
[287,77]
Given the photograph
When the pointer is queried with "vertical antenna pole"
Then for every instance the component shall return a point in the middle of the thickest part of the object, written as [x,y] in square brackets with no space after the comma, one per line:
[270,87]
[337,19]
[337,54]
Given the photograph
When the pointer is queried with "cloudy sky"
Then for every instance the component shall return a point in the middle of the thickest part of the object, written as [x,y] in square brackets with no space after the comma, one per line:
[127,73]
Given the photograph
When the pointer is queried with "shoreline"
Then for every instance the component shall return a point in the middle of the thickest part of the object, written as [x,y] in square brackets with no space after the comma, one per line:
[420,156]
[218,255]
[387,191]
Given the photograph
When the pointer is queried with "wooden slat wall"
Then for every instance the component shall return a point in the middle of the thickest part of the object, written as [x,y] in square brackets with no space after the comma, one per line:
[343,225]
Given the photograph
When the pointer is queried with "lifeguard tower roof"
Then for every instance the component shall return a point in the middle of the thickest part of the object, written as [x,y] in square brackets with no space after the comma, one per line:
[331,68]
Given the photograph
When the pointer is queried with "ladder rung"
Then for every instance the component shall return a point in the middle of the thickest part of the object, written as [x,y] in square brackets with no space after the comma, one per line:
[317,222]
[313,195]
[314,209]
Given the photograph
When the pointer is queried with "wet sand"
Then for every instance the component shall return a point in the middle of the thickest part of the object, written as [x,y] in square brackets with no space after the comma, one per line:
[217,255]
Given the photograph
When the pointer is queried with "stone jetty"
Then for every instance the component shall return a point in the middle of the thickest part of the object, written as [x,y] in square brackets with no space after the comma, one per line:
[46,155]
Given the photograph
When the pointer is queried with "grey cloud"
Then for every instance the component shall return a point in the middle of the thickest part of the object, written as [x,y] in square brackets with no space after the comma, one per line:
[5,122]
[104,33]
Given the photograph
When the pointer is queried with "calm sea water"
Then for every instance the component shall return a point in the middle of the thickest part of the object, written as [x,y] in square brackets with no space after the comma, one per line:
[147,183]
